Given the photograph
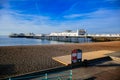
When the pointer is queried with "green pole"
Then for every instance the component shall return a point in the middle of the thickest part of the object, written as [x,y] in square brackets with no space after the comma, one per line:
[46,76]
[70,74]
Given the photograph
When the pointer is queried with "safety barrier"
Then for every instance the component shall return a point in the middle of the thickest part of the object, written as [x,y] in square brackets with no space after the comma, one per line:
[64,75]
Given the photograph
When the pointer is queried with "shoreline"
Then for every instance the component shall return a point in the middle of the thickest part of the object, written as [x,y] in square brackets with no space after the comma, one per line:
[33,45]
[26,59]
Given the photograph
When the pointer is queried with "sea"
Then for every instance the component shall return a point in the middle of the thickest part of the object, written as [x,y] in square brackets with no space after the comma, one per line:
[7,41]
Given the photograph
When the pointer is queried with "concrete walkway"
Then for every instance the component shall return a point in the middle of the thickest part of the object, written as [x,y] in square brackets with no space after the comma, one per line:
[66,59]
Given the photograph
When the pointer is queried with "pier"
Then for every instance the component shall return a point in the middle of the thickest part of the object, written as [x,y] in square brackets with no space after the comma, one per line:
[69,36]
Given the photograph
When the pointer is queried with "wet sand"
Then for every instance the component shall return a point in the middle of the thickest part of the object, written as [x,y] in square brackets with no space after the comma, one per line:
[26,59]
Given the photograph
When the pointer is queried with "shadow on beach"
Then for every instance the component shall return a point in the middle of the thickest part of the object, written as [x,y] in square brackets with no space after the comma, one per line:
[100,62]
[7,69]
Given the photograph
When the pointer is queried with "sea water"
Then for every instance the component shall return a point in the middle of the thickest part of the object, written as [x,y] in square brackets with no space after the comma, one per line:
[7,41]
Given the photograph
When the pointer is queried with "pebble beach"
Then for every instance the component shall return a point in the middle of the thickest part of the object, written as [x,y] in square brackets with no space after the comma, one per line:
[26,59]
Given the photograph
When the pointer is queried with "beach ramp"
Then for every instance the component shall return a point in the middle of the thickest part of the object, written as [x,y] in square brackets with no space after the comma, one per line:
[93,55]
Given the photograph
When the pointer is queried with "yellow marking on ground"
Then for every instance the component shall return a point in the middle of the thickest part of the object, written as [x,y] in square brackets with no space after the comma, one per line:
[87,55]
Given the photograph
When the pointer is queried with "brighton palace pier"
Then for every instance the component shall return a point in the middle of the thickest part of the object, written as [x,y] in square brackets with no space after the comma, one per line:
[70,36]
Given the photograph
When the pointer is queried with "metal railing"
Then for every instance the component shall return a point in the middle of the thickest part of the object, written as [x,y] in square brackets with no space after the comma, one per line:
[64,75]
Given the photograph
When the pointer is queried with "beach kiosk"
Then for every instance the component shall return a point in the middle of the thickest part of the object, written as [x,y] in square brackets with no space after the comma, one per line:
[76,56]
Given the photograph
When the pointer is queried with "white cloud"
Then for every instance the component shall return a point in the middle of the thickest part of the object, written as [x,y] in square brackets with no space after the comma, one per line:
[14,22]
[99,21]
[95,22]
[111,0]
[73,16]
[101,13]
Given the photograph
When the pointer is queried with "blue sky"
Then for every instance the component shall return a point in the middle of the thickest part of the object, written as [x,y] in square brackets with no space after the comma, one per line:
[46,16]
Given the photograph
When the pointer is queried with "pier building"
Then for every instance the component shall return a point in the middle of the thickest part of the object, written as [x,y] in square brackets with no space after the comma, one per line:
[69,33]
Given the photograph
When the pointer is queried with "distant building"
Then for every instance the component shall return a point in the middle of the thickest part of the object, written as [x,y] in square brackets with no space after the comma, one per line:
[30,34]
[81,32]
[69,33]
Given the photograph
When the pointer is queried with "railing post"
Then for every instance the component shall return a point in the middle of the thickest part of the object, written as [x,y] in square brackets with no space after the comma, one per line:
[70,74]
[46,76]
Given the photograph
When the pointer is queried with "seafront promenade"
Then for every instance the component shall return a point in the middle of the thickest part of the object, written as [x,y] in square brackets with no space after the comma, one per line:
[19,60]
